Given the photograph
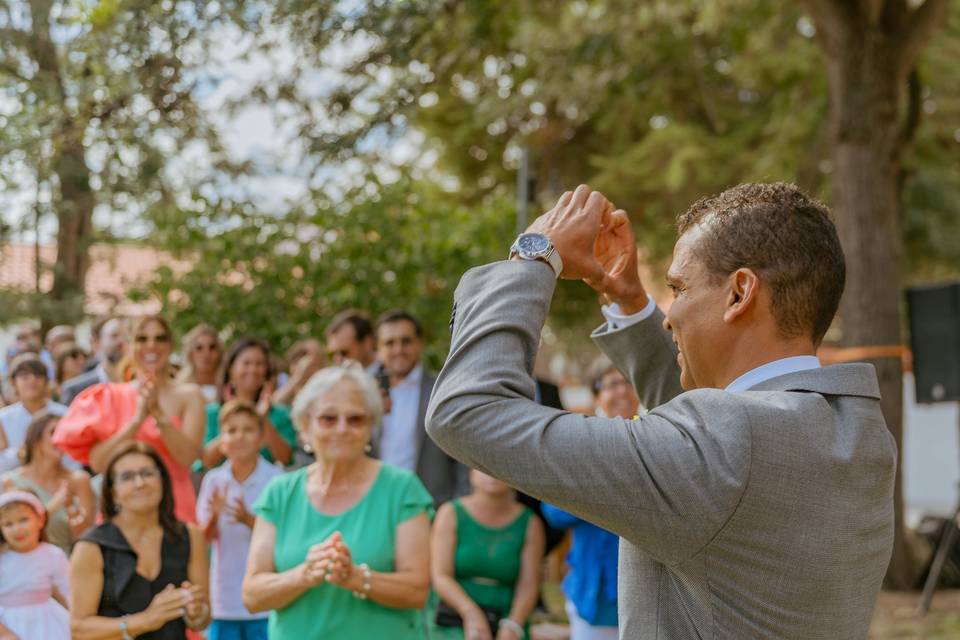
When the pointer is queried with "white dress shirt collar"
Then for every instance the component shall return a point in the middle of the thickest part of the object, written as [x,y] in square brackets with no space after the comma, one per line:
[774,369]
[413,378]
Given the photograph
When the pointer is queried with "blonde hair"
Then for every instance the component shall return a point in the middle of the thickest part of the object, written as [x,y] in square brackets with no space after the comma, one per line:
[187,372]
[238,407]
[126,368]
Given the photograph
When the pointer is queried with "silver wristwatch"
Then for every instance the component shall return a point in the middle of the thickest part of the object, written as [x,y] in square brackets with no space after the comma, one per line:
[536,246]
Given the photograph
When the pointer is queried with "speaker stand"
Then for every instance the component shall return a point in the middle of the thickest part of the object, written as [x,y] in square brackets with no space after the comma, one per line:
[950,530]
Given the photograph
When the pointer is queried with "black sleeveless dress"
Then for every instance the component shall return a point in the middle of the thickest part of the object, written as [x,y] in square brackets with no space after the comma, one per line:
[125,591]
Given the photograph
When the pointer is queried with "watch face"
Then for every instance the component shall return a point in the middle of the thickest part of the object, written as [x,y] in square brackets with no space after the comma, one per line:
[533,243]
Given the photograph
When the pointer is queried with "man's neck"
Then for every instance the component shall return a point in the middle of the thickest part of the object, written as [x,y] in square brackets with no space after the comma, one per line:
[747,357]
[106,367]
[398,379]
[34,405]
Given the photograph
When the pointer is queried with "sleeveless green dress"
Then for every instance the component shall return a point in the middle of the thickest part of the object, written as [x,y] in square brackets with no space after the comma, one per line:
[486,564]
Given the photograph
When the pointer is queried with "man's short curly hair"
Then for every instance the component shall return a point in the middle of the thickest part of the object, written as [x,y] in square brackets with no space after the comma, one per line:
[787,238]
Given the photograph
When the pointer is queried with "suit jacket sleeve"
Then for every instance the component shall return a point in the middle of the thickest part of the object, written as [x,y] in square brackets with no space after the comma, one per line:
[664,482]
[647,356]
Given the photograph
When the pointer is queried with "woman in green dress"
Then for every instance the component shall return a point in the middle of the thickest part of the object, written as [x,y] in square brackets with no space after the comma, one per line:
[247,375]
[340,548]
[486,551]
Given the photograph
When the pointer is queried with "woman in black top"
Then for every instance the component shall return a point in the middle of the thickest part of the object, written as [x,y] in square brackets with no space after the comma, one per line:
[142,573]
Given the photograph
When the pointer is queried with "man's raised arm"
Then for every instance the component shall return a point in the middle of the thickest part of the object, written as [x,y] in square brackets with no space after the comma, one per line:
[653,481]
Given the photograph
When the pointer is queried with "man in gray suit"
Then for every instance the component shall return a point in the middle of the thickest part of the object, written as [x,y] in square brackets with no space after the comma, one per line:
[403,440]
[755,499]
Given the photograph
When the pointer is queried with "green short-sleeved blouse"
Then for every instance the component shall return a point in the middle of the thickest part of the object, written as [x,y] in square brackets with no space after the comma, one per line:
[369,529]
[279,416]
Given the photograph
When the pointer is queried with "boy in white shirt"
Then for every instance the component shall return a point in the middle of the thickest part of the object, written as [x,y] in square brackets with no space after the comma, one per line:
[224,511]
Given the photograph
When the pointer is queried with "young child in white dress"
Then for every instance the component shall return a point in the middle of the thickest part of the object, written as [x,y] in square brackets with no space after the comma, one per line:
[34,588]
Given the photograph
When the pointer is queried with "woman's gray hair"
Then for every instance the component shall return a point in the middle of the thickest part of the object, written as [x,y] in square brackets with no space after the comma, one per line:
[322,381]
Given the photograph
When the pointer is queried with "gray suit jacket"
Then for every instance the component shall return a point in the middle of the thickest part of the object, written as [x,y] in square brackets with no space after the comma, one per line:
[759,514]
[443,477]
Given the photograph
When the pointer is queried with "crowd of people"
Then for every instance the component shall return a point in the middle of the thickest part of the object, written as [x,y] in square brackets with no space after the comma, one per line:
[226,492]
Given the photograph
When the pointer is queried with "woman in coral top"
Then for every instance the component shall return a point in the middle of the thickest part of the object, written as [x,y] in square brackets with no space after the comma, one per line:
[151,408]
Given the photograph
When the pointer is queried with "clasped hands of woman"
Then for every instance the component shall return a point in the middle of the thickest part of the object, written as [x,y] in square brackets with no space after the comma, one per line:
[331,561]
[186,601]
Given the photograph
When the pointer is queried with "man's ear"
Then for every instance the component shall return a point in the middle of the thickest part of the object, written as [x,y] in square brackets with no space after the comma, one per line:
[743,289]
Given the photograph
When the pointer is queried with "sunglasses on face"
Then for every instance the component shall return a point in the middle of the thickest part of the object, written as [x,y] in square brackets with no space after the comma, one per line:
[159,339]
[147,473]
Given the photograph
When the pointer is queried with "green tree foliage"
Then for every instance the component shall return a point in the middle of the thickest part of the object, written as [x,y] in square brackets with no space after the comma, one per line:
[932,172]
[656,103]
[96,98]
[283,277]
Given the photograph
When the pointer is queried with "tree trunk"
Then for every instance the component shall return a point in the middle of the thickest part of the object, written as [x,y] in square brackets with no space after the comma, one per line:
[75,218]
[76,199]
[865,94]
[871,48]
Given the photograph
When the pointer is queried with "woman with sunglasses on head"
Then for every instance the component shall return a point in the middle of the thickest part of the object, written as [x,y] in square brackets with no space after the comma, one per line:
[142,573]
[247,375]
[202,353]
[152,408]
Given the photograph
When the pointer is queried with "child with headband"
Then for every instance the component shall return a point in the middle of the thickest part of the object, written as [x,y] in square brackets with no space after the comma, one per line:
[34,590]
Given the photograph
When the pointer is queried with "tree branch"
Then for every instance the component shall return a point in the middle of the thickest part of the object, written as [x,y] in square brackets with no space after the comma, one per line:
[914,108]
[919,28]
[15,36]
[834,19]
[9,69]
[871,10]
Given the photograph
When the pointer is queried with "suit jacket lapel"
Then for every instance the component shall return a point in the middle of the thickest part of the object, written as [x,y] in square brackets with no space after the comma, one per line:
[427,380]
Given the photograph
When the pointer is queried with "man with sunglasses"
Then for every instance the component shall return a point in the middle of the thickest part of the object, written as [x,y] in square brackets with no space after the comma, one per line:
[112,346]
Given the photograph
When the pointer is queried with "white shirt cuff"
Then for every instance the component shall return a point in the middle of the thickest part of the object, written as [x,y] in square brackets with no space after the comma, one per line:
[617,319]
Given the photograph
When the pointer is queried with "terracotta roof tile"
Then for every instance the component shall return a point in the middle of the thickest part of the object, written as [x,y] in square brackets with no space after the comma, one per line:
[114,269]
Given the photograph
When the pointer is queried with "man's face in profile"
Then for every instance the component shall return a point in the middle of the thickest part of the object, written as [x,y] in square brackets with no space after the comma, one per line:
[342,345]
[696,316]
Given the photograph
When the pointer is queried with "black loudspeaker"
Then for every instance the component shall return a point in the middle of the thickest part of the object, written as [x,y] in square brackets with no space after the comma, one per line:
[935,340]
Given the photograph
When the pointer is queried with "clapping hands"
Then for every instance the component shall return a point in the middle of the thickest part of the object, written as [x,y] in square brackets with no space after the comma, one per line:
[220,504]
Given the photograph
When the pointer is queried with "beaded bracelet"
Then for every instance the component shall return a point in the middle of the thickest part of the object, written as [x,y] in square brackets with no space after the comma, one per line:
[512,626]
[364,593]
[123,628]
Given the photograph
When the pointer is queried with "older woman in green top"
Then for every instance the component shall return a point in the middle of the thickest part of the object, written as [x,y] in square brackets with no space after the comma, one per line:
[248,376]
[486,552]
[339,548]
